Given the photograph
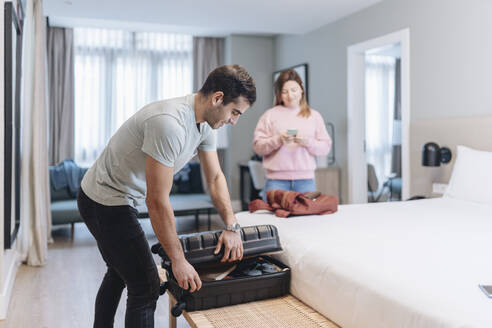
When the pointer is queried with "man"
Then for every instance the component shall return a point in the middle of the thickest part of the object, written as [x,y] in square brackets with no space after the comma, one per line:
[139,162]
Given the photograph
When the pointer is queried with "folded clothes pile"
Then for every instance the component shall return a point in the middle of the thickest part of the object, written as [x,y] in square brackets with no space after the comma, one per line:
[285,203]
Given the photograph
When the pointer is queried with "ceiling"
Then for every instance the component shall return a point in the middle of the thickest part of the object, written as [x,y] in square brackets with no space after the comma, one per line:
[210,17]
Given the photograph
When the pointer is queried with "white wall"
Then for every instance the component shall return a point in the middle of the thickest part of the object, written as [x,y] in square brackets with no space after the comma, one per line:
[450,66]
[256,54]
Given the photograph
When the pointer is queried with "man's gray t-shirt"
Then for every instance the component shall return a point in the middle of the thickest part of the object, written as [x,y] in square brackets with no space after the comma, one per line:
[165,130]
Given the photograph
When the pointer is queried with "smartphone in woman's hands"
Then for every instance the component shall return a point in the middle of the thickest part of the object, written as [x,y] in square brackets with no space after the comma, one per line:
[292,132]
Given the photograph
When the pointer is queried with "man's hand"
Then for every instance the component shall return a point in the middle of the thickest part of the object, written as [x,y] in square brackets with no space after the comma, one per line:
[186,276]
[233,246]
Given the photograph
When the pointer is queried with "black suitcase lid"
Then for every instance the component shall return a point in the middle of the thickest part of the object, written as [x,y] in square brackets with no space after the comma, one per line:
[199,247]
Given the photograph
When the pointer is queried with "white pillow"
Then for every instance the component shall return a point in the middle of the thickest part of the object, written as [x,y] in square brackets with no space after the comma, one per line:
[472,176]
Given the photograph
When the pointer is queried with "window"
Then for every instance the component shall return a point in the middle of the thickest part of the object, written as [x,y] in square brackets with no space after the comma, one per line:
[116,74]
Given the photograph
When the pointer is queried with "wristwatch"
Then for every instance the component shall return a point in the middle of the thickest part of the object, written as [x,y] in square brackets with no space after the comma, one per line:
[235,227]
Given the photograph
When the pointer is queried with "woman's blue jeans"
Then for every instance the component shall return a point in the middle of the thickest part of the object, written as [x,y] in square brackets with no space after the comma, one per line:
[302,185]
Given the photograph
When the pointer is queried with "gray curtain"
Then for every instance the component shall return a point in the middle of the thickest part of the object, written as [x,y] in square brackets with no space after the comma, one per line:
[208,53]
[61,94]
[396,149]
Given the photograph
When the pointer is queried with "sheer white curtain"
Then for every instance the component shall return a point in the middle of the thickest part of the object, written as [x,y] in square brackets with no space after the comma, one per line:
[380,95]
[117,73]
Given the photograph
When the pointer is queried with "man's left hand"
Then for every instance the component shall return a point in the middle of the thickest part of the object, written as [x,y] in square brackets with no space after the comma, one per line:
[233,246]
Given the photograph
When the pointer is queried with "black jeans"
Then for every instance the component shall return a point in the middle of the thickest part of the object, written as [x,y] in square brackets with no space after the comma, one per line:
[125,250]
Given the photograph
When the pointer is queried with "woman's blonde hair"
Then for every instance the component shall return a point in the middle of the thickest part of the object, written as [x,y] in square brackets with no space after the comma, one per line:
[291,75]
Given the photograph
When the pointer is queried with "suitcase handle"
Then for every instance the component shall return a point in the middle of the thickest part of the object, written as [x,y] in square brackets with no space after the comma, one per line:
[162,288]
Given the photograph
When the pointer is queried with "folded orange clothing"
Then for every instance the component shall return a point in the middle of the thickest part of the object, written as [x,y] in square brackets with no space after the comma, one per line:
[285,203]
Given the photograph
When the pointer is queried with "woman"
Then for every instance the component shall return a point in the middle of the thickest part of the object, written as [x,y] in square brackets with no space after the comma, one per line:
[289,136]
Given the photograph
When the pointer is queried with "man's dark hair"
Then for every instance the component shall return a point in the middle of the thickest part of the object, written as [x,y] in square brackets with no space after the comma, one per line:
[233,80]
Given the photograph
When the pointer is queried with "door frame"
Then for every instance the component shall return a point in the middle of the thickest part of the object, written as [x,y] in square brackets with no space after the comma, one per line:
[357,165]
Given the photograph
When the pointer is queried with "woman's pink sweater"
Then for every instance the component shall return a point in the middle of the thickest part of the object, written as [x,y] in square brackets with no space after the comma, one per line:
[290,161]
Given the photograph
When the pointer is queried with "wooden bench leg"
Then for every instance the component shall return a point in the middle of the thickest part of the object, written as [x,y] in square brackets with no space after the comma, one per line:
[172,319]
[73,229]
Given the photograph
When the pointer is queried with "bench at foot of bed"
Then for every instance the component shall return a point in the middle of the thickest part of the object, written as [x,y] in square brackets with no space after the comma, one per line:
[286,311]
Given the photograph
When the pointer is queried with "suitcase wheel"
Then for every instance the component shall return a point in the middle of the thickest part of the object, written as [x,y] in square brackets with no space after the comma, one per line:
[155,248]
[177,309]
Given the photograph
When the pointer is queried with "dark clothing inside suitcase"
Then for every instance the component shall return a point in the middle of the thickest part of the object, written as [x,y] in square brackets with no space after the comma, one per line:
[255,278]
[125,250]
[253,268]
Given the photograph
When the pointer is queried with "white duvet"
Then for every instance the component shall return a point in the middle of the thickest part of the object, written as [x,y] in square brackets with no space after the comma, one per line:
[401,264]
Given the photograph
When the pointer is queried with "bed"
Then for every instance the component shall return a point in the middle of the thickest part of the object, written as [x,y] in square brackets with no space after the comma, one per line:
[401,264]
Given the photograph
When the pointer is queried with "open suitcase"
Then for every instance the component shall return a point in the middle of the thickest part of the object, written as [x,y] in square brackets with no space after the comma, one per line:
[256,277]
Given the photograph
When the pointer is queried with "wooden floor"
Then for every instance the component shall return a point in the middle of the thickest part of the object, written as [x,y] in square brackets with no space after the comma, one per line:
[62,293]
